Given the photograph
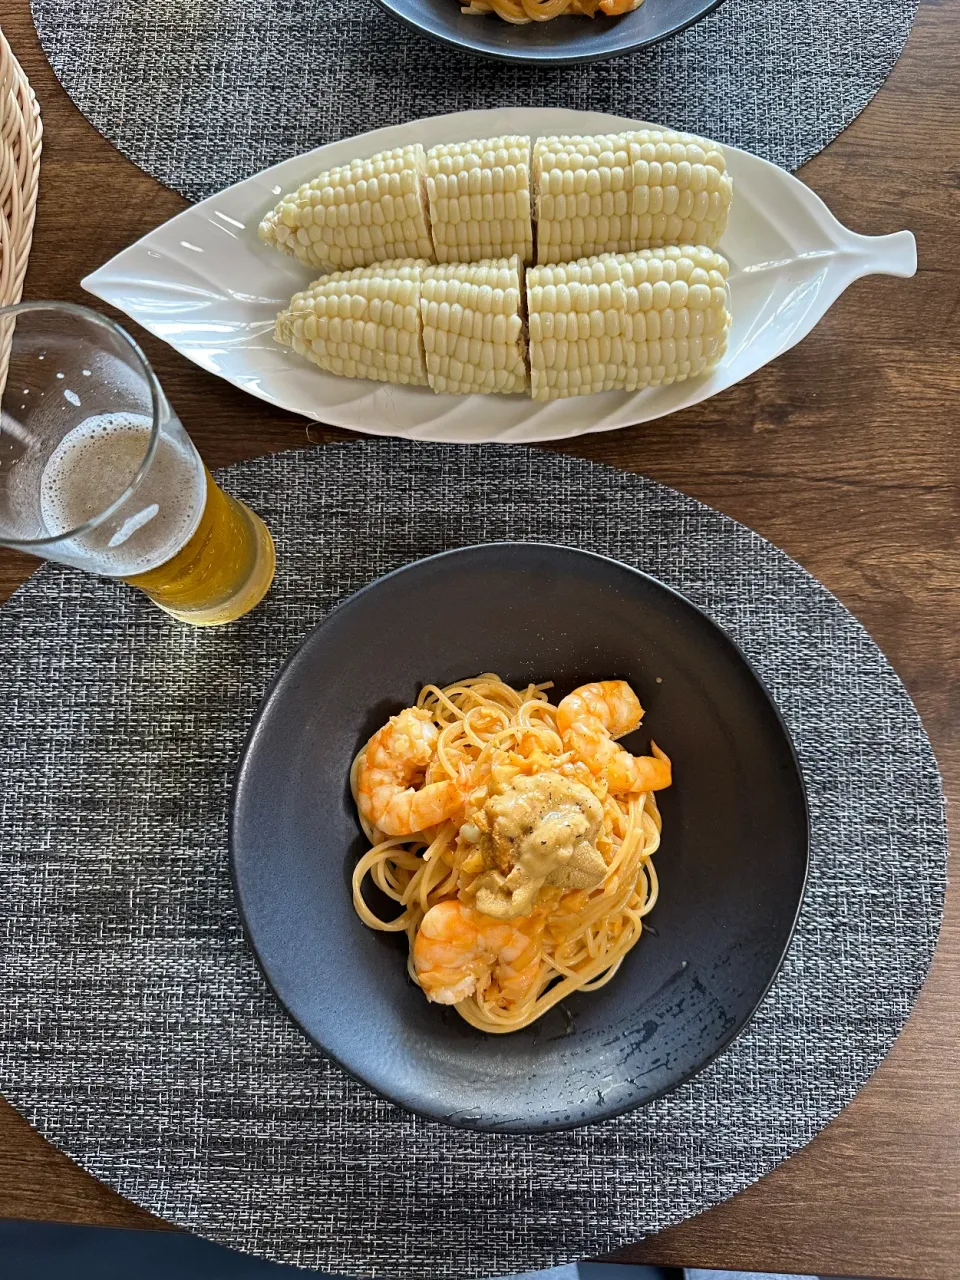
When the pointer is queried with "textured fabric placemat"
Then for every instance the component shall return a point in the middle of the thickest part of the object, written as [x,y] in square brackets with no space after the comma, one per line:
[202,95]
[135,1030]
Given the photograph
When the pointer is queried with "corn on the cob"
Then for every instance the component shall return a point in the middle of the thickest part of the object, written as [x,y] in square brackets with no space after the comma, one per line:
[473,327]
[616,193]
[626,321]
[681,189]
[363,323]
[363,212]
[584,194]
[479,194]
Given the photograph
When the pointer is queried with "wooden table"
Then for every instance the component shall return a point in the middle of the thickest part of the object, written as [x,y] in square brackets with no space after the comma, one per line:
[846,453]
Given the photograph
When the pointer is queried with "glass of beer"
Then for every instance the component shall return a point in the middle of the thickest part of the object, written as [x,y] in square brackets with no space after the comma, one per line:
[96,470]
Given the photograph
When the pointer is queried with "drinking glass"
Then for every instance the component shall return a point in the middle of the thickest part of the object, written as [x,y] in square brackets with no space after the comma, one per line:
[96,470]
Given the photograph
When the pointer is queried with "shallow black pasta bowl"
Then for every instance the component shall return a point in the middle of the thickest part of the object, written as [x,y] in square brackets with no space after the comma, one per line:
[560,40]
[732,863]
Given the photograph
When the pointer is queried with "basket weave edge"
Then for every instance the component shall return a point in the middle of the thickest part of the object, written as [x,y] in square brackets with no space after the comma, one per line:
[21,131]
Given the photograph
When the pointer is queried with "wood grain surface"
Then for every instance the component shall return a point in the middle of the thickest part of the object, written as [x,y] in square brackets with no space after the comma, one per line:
[845,453]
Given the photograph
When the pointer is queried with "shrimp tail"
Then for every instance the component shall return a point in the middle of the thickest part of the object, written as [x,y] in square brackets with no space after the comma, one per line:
[639,773]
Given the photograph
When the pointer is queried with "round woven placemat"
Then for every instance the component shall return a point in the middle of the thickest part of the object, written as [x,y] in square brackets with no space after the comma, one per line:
[202,95]
[135,1030]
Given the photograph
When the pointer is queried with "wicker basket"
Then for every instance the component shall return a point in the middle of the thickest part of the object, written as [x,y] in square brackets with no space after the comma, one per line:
[20,131]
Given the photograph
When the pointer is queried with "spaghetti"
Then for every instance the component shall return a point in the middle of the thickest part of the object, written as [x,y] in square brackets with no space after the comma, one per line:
[523,11]
[536,825]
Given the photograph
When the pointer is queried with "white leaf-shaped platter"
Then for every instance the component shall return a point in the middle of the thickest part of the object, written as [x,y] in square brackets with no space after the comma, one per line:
[204,283]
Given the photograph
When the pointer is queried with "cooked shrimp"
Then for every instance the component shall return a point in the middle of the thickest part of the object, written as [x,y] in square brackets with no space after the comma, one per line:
[590,718]
[593,715]
[458,953]
[391,794]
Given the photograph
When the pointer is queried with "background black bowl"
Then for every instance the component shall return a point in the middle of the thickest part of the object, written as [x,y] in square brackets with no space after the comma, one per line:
[558,41]
[732,864]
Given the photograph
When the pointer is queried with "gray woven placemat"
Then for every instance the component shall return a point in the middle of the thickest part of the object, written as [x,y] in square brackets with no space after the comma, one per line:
[135,1030]
[202,95]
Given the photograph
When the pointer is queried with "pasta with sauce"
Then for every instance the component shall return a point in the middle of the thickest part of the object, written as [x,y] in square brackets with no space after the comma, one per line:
[517,839]
[523,11]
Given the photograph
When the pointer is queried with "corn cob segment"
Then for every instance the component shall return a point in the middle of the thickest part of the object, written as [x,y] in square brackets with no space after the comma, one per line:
[360,213]
[617,193]
[584,197]
[681,189]
[479,194]
[363,323]
[473,327]
[626,321]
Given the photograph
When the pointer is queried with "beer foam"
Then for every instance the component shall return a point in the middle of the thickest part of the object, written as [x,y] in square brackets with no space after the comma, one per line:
[93,465]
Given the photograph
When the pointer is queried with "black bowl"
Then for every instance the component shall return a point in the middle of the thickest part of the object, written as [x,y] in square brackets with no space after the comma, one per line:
[732,864]
[559,41]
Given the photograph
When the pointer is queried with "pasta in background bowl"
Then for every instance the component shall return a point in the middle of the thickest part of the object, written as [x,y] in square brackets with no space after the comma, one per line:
[731,864]
[565,36]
